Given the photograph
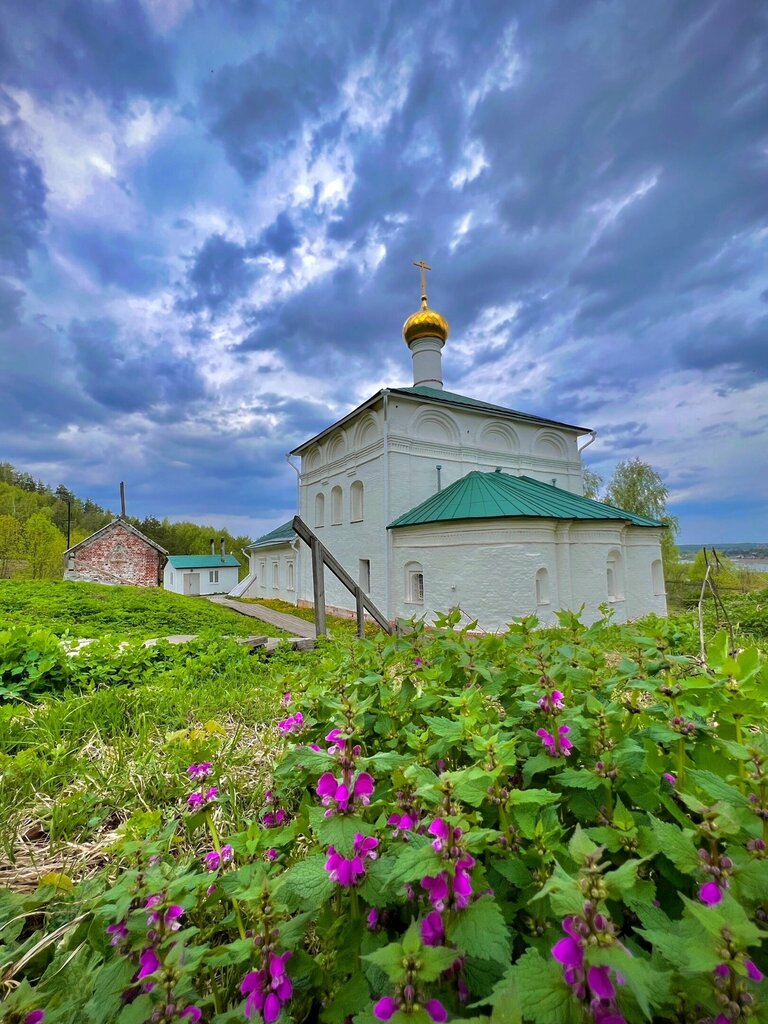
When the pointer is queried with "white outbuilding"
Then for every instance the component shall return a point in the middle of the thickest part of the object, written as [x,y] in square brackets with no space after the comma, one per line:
[201,574]
[433,500]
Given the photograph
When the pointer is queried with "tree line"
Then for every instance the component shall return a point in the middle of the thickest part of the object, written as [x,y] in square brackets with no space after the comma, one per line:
[35,519]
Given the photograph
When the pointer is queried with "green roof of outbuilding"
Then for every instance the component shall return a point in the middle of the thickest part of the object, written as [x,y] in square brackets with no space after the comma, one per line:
[499,496]
[203,561]
[280,535]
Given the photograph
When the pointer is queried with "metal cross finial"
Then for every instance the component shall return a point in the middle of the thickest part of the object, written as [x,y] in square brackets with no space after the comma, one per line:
[423,267]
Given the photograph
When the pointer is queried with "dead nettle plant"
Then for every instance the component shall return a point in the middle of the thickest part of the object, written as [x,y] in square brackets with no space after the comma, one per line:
[514,828]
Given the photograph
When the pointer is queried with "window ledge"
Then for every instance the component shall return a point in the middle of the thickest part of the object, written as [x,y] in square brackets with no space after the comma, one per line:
[543,604]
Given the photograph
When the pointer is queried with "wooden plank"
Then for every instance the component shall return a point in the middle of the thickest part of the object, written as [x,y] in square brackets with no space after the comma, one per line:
[318,586]
[321,553]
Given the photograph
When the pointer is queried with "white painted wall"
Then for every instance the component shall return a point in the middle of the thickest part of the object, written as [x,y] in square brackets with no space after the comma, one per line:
[489,568]
[262,563]
[173,579]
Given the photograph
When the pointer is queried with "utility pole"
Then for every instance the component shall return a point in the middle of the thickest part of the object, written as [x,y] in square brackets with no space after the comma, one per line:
[122,499]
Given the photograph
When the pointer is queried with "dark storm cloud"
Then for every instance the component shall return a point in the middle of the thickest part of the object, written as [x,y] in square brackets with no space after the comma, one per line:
[125,382]
[281,236]
[117,258]
[221,271]
[107,48]
[730,344]
[22,206]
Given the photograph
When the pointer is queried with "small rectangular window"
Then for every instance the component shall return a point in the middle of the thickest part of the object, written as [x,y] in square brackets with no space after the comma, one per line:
[416,587]
[291,584]
[276,575]
[213,576]
[364,575]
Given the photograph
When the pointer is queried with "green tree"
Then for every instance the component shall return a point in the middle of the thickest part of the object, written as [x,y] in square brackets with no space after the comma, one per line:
[636,487]
[592,483]
[43,547]
[10,544]
[723,572]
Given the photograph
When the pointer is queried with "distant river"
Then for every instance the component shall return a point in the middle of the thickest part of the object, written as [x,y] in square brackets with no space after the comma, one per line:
[739,563]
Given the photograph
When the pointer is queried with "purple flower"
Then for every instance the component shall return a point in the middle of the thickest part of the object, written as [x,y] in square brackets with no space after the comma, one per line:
[418,661]
[372,918]
[286,698]
[385,1008]
[559,745]
[172,915]
[365,846]
[279,980]
[599,981]
[293,724]
[569,953]
[194,1013]
[252,986]
[211,794]
[272,1008]
[118,932]
[195,800]
[337,741]
[363,788]
[441,830]
[436,1011]
[401,823]
[271,854]
[200,771]
[437,889]
[670,778]
[551,702]
[148,964]
[214,860]
[710,893]
[272,818]
[753,970]
[35,1017]
[432,931]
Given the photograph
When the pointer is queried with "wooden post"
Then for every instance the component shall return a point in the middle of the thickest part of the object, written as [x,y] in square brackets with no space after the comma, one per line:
[318,586]
[360,612]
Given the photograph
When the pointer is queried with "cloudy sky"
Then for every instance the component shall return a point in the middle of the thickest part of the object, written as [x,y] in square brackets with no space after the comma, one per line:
[209,210]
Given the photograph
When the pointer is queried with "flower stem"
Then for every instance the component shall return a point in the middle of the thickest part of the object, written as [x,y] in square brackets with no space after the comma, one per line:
[217,847]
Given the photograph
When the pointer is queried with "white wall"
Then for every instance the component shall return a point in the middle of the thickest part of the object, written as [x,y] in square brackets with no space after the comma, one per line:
[263,562]
[489,569]
[227,579]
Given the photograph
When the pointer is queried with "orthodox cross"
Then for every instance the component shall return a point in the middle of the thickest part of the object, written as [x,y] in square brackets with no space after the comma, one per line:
[423,267]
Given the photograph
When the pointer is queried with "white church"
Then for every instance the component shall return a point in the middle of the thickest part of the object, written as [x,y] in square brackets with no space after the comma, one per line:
[433,500]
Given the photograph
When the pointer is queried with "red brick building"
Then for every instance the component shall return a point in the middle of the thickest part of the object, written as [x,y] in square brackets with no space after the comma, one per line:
[117,553]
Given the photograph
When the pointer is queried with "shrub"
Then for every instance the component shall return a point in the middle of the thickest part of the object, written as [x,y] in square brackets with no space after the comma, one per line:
[512,827]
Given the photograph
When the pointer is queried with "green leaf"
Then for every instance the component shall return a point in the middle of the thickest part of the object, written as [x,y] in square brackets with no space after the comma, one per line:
[390,960]
[480,930]
[580,846]
[544,996]
[416,860]
[340,830]
[505,1001]
[716,787]
[579,778]
[306,885]
[564,893]
[470,785]
[354,995]
[676,845]
[451,729]
[513,870]
[537,763]
[435,960]
[532,796]
[107,999]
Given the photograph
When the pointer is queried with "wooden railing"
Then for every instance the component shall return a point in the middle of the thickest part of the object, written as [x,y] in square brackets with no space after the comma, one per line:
[321,557]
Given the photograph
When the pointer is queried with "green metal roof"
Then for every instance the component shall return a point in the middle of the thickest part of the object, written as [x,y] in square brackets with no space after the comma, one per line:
[451,398]
[280,535]
[203,561]
[499,496]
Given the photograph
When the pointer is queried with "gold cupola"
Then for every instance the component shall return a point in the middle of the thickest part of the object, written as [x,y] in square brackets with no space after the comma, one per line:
[425,334]
[426,322]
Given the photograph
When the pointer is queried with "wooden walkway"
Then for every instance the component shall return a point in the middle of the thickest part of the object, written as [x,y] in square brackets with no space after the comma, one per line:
[292,624]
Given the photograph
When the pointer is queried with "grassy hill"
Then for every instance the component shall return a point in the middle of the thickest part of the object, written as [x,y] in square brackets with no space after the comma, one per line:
[91,610]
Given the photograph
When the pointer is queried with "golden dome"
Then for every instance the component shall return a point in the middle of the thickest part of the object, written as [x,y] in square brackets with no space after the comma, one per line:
[426,323]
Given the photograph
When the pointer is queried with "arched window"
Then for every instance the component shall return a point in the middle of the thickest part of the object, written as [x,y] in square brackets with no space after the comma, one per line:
[614,572]
[657,577]
[291,572]
[320,509]
[414,583]
[276,575]
[542,587]
[336,506]
[356,501]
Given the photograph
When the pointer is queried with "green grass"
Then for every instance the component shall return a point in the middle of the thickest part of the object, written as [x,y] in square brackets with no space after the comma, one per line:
[77,765]
[91,610]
